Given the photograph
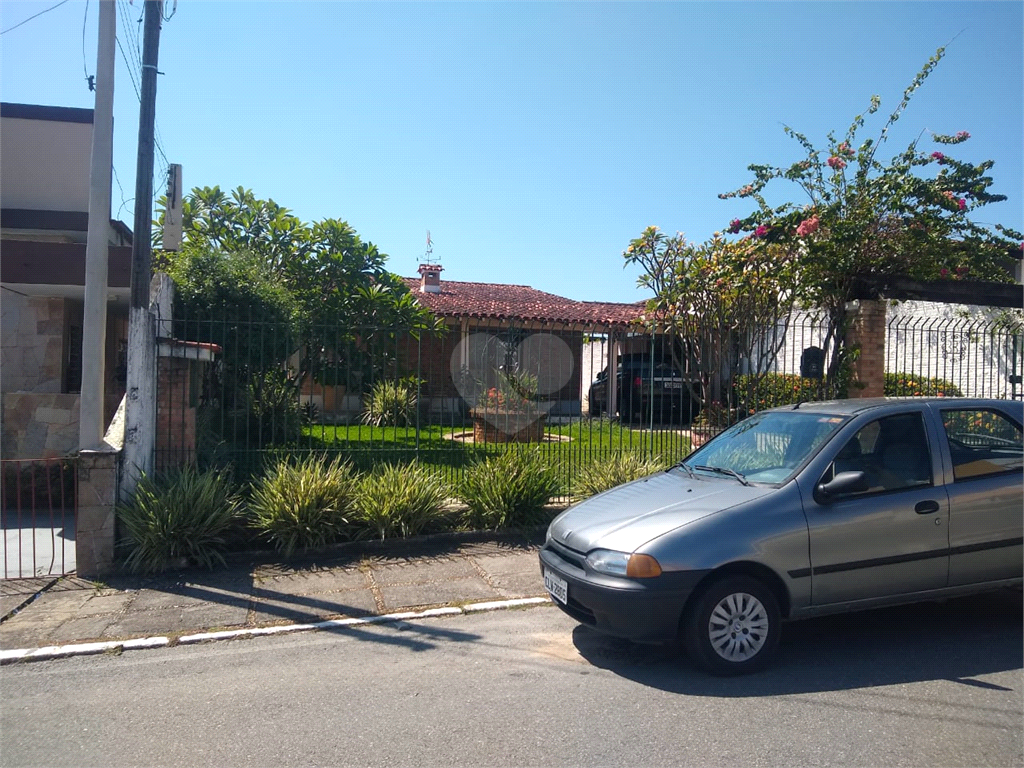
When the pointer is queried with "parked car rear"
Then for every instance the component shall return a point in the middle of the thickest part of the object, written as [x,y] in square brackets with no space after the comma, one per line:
[647,388]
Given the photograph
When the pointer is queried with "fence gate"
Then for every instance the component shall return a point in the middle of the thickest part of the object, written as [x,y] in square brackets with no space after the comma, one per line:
[38,505]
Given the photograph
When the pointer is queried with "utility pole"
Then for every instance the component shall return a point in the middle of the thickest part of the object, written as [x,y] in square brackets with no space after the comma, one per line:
[140,401]
[94,321]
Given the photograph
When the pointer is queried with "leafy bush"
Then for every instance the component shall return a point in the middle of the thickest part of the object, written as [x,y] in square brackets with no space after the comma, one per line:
[510,490]
[179,514]
[402,499]
[392,403]
[612,470]
[768,390]
[911,384]
[304,503]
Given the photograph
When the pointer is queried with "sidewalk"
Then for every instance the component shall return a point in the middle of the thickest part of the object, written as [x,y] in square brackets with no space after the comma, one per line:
[47,617]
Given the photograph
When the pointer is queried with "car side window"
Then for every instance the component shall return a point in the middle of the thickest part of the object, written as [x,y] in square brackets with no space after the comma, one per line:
[982,443]
[892,452]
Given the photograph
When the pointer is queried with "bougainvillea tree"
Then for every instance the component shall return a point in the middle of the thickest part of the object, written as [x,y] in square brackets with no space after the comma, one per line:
[860,218]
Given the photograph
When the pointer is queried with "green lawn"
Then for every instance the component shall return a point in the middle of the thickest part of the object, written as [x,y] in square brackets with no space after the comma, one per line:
[450,449]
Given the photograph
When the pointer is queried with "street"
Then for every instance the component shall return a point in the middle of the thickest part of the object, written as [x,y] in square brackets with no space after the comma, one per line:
[928,685]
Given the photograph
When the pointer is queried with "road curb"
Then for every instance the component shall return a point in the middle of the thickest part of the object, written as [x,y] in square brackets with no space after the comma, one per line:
[117,646]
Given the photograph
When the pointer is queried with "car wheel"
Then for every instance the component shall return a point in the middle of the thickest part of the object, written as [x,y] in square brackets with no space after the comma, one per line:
[733,627]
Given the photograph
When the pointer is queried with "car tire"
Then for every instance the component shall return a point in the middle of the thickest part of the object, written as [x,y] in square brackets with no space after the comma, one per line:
[753,637]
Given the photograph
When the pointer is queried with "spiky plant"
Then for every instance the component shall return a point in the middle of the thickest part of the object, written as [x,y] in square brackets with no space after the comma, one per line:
[400,499]
[304,503]
[612,470]
[178,515]
[392,403]
[509,490]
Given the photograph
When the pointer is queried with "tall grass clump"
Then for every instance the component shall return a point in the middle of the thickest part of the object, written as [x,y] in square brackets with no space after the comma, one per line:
[305,503]
[392,403]
[179,517]
[612,470]
[509,490]
[400,500]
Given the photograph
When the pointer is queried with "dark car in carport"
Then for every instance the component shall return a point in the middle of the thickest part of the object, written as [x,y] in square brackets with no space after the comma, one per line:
[647,388]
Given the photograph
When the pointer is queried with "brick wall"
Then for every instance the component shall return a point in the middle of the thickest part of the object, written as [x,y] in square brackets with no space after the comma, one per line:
[867,332]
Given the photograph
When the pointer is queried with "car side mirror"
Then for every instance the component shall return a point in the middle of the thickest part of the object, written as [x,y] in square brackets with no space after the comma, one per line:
[840,485]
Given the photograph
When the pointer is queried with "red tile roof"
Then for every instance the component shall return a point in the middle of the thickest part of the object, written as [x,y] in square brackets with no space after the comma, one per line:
[519,302]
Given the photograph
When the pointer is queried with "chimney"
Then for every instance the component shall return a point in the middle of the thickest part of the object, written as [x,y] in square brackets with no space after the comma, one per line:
[430,278]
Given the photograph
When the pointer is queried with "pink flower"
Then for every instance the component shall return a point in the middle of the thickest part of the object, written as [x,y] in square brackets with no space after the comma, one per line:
[734,226]
[836,162]
[808,226]
[761,231]
[963,135]
[961,203]
[844,149]
[938,156]
[943,272]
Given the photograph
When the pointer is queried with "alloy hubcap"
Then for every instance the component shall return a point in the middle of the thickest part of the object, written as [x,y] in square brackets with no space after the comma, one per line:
[738,627]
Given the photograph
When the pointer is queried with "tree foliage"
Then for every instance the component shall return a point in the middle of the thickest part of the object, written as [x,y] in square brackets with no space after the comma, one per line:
[858,218]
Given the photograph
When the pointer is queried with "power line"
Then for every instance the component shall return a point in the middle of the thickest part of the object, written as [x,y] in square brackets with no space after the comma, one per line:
[36,16]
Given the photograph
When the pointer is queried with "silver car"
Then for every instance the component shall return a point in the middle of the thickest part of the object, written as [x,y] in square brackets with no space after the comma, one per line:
[795,512]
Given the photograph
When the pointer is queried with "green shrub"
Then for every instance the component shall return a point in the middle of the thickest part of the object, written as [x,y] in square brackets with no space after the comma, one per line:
[180,514]
[911,384]
[612,470]
[304,503]
[400,499]
[508,491]
[768,390]
[392,403]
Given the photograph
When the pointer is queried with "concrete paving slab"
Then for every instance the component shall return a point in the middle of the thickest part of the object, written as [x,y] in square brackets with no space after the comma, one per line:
[160,622]
[80,630]
[273,607]
[313,582]
[440,570]
[188,596]
[400,596]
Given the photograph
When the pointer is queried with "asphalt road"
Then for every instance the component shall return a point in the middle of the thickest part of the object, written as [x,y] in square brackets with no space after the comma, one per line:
[930,685]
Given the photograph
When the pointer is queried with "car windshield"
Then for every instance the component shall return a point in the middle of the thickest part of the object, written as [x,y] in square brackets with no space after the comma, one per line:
[767,447]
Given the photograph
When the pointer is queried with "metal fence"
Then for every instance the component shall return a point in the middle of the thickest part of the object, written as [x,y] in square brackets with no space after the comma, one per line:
[38,503]
[247,392]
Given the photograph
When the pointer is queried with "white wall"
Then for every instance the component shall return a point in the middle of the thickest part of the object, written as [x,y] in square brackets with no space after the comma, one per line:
[38,153]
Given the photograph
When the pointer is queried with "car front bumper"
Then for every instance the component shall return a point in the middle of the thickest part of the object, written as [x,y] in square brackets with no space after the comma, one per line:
[645,610]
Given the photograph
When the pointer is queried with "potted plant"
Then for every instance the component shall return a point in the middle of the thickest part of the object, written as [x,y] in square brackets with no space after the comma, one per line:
[509,412]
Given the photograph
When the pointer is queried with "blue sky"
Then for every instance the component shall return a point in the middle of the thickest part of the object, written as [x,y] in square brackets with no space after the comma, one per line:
[533,140]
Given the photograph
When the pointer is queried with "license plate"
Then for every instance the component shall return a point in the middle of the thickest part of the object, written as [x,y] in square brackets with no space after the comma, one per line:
[557,587]
[672,385]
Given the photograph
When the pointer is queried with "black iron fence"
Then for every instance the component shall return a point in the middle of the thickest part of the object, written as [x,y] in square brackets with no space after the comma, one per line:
[240,392]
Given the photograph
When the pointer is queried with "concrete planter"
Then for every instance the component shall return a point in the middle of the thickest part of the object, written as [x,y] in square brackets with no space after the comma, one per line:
[492,426]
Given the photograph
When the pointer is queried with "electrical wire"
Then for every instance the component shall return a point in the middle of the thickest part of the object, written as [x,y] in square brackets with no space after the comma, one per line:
[36,16]
[85,63]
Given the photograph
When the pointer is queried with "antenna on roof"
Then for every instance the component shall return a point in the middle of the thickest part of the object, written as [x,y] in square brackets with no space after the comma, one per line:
[428,255]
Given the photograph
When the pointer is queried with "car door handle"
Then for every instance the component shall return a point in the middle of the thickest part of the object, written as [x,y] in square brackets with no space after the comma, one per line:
[926,507]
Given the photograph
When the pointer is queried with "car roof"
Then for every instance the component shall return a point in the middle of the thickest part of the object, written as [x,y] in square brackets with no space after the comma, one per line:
[855,406]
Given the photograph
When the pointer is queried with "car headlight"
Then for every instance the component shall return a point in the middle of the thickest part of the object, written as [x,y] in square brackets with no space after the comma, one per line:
[614,563]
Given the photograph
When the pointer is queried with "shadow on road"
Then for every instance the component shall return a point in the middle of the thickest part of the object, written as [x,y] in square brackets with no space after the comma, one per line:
[957,640]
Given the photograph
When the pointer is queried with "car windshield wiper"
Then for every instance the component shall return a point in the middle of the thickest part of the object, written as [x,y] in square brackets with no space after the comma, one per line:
[724,471]
[685,466]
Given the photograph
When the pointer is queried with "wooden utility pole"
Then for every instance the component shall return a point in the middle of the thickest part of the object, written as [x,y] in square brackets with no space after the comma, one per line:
[140,405]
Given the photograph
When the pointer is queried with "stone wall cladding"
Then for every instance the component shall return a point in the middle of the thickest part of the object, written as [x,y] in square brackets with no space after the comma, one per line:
[32,352]
[39,425]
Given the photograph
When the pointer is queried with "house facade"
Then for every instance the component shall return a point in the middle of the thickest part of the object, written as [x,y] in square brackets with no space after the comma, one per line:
[493,328]
[44,202]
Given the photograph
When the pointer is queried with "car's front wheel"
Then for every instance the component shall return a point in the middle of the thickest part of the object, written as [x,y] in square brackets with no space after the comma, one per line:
[733,626]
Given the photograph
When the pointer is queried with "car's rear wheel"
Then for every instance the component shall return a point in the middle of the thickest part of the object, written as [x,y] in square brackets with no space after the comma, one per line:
[733,626]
